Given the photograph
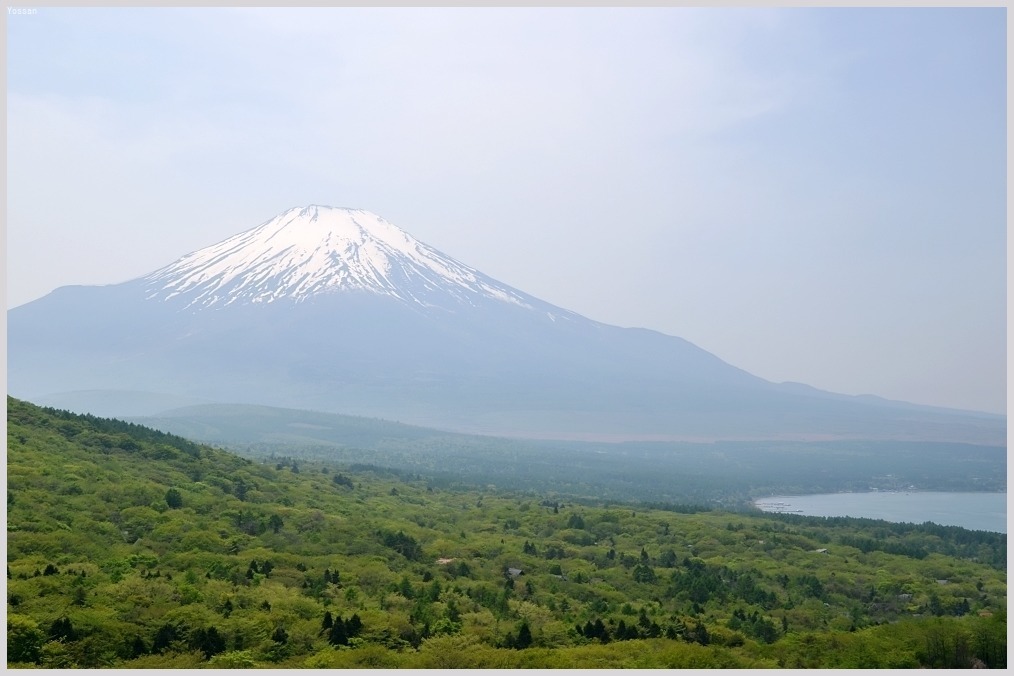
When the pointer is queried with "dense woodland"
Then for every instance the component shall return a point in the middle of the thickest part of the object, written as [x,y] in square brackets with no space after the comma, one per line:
[133,548]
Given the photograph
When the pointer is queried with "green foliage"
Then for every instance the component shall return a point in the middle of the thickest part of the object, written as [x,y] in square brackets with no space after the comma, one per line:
[235,659]
[24,640]
[107,568]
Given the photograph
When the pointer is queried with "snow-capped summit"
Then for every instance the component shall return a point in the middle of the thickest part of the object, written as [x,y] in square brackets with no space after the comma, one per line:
[311,250]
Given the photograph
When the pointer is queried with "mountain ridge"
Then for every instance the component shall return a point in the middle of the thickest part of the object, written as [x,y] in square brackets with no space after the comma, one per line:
[403,332]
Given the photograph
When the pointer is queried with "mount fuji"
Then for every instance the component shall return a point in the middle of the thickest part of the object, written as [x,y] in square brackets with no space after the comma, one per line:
[338,310]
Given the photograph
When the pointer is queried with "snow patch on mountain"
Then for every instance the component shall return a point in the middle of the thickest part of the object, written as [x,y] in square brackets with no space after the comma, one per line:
[317,249]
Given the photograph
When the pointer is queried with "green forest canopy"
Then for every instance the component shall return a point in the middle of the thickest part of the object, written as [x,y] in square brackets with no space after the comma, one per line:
[132,548]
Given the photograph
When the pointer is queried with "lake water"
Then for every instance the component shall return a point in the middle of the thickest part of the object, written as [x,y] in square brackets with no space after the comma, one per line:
[976,511]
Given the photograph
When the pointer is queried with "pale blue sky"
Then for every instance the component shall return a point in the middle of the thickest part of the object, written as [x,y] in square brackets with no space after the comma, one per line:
[816,195]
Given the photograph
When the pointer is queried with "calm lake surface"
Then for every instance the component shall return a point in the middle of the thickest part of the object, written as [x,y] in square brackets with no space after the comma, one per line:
[976,511]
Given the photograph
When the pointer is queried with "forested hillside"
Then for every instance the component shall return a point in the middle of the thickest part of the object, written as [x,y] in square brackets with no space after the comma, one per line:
[132,548]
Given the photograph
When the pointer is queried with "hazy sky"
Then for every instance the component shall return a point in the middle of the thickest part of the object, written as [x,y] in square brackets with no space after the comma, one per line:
[815,195]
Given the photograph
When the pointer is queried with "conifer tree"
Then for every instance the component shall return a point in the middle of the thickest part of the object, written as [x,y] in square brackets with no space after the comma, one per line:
[338,634]
[524,637]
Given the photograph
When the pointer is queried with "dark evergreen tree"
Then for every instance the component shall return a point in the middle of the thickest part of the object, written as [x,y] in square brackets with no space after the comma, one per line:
[173,498]
[698,634]
[209,641]
[433,592]
[338,635]
[621,631]
[644,573]
[406,545]
[164,637]
[354,626]
[524,638]
[136,647]
[62,630]
[453,614]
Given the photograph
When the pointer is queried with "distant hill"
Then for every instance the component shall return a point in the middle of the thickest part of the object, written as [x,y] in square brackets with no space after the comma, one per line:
[722,472]
[338,310]
[249,424]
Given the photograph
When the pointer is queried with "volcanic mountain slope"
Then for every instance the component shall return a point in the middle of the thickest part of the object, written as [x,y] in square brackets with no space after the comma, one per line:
[338,310]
